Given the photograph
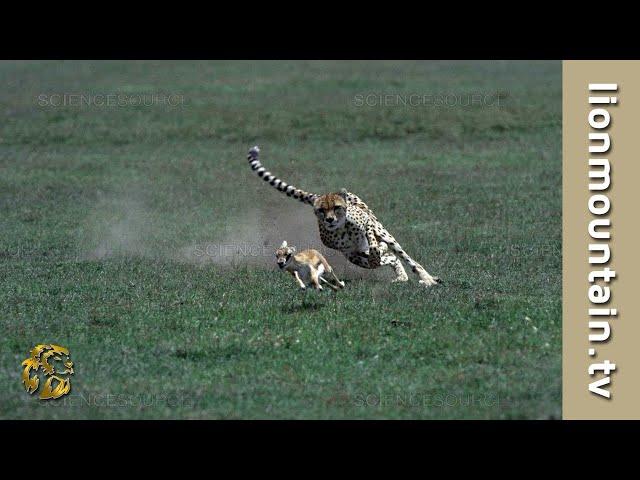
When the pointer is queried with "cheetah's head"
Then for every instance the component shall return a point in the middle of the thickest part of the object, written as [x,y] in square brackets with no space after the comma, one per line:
[284,254]
[331,210]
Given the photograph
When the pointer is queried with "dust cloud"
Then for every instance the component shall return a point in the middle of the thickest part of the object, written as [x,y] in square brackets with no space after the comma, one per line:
[127,227]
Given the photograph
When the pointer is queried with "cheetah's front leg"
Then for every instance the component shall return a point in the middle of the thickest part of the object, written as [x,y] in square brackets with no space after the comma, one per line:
[395,263]
[362,260]
[374,257]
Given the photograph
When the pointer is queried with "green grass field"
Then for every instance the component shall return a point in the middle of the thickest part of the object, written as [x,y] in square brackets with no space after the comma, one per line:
[138,237]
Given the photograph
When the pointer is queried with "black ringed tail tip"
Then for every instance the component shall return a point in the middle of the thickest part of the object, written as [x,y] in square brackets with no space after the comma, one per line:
[253,153]
[278,184]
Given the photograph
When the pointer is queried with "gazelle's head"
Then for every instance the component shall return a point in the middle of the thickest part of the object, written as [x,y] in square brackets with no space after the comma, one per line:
[284,254]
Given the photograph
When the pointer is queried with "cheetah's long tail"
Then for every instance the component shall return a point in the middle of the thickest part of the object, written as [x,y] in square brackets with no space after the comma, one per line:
[290,190]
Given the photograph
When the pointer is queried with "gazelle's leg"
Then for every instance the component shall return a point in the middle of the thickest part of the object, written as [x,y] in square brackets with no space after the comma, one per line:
[331,285]
[300,282]
[314,279]
[338,281]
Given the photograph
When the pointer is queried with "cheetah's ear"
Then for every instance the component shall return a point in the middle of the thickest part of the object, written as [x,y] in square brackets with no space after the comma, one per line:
[344,193]
[284,244]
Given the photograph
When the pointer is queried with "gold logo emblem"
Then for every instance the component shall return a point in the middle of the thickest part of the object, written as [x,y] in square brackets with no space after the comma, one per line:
[47,358]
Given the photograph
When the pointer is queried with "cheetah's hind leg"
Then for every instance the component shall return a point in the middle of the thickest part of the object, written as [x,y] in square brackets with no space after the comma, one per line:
[425,278]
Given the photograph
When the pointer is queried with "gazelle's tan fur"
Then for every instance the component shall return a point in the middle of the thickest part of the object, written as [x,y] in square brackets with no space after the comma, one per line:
[308,267]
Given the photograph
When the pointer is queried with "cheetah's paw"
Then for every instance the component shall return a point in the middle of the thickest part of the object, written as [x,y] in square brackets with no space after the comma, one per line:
[401,278]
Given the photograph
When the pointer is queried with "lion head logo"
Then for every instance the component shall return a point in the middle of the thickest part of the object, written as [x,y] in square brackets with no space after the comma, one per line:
[56,365]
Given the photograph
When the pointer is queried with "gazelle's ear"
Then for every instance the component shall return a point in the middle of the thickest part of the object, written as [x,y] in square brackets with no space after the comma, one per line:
[292,249]
[284,244]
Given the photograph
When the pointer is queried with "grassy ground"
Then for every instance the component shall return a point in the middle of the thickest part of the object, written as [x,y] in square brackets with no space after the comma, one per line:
[113,221]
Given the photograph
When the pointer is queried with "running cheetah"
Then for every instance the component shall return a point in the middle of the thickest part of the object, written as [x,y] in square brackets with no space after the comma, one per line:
[347,224]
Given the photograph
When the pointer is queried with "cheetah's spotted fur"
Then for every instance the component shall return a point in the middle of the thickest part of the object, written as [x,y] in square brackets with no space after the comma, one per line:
[348,225]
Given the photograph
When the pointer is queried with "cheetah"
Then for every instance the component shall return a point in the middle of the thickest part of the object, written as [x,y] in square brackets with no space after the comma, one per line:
[348,225]
[308,267]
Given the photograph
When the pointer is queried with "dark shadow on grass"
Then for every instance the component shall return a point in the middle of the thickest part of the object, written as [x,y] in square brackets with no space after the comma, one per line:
[305,306]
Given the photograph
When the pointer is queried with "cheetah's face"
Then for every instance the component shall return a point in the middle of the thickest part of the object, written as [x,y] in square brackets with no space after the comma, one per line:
[284,254]
[331,210]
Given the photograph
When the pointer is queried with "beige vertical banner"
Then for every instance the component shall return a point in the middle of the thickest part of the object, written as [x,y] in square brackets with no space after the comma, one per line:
[612,114]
